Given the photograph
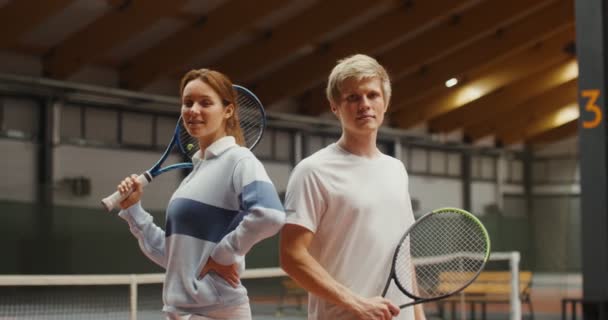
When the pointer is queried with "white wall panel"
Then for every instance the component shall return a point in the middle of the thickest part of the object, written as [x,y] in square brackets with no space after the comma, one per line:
[433,192]
[278,173]
[18,170]
[482,195]
[106,168]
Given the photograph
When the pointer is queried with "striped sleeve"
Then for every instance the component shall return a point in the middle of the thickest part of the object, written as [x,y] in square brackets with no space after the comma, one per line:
[262,212]
[151,238]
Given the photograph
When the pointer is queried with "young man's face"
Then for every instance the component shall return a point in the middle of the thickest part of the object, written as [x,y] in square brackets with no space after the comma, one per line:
[361,106]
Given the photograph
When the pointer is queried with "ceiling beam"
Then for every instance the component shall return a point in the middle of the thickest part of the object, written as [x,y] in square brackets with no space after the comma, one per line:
[305,29]
[462,29]
[549,121]
[556,134]
[117,3]
[506,97]
[531,109]
[312,69]
[21,16]
[177,50]
[502,42]
[485,80]
[111,30]
[462,49]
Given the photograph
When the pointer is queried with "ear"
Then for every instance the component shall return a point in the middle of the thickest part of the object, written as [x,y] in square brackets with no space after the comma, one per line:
[334,108]
[228,111]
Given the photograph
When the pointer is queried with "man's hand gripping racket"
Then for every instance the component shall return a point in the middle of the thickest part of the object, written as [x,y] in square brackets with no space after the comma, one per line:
[252,119]
[439,255]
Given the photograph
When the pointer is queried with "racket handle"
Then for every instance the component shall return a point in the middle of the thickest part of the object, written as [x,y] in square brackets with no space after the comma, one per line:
[112,201]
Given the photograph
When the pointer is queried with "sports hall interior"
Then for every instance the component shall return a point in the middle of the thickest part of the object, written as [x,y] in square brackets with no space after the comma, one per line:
[488,114]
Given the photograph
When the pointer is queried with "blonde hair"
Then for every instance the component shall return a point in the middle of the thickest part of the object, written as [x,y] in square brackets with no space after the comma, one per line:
[358,66]
[222,85]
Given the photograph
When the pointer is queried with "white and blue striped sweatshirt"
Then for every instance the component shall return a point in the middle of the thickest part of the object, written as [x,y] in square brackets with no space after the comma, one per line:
[221,209]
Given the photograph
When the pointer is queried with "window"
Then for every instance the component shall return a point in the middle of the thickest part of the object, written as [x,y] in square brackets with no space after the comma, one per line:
[20,117]
[101,125]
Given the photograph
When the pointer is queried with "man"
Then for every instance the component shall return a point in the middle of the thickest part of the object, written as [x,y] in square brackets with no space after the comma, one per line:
[348,205]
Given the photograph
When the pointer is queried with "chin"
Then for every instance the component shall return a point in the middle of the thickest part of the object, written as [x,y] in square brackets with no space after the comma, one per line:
[363,130]
[369,126]
[197,133]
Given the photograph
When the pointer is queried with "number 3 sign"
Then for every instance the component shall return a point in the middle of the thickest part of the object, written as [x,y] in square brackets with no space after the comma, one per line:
[592,95]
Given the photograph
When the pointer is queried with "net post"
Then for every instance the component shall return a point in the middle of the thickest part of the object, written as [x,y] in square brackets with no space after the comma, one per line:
[463,305]
[515,302]
[133,298]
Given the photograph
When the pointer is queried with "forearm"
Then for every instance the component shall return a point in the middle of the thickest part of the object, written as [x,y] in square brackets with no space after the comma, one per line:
[419,312]
[297,261]
[258,225]
[264,213]
[151,238]
[310,275]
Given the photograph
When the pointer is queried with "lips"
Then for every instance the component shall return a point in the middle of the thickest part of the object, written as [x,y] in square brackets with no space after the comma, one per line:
[366,116]
[195,122]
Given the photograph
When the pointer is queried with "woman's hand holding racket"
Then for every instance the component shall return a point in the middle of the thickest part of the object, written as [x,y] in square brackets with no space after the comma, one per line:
[133,190]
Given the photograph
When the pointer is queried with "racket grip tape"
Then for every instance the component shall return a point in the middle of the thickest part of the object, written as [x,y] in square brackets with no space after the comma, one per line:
[112,201]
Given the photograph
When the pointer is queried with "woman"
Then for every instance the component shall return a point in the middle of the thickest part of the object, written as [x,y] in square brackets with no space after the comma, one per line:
[219,211]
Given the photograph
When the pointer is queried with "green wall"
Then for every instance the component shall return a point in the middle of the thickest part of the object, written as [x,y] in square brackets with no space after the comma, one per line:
[85,241]
[92,241]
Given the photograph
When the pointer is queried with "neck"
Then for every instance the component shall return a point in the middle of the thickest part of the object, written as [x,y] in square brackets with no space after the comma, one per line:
[360,145]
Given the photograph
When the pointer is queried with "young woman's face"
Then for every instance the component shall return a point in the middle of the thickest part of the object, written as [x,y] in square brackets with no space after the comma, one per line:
[361,106]
[203,113]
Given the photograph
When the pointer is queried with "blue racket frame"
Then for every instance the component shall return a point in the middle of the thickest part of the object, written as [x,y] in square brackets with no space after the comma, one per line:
[156,170]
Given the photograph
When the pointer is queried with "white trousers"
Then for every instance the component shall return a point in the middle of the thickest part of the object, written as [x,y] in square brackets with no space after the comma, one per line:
[240,312]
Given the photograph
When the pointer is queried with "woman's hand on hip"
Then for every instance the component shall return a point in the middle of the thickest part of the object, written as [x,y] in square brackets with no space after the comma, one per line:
[228,273]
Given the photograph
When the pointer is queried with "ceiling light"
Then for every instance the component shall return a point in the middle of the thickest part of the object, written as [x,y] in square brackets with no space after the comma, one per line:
[452,82]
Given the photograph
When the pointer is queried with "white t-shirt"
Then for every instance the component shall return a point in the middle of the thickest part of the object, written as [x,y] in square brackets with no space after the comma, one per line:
[358,209]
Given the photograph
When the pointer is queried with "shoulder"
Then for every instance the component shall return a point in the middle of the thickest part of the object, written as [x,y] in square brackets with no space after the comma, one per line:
[238,153]
[241,161]
[393,163]
[315,162]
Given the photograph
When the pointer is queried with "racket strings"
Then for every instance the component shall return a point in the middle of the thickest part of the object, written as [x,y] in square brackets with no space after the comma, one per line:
[441,255]
[188,143]
[251,118]
[252,121]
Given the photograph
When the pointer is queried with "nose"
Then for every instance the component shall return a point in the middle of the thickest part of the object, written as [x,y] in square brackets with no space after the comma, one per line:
[195,108]
[364,103]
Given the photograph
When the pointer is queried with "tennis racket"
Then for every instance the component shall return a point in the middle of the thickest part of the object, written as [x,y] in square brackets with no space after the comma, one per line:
[439,255]
[252,119]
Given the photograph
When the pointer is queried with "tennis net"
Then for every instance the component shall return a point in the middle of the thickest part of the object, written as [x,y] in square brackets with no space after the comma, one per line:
[130,296]
[138,296]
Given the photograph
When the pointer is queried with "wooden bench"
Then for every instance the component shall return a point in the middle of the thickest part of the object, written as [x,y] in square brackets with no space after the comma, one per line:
[490,287]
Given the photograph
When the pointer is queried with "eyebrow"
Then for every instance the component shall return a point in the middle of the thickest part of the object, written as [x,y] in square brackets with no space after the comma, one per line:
[356,93]
[197,96]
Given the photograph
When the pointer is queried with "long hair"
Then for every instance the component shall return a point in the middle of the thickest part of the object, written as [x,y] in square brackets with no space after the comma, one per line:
[222,85]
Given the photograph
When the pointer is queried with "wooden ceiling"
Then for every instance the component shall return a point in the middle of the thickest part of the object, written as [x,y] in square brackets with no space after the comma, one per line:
[514,60]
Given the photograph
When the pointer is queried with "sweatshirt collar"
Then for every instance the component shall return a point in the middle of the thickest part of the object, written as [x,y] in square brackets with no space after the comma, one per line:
[217,148]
